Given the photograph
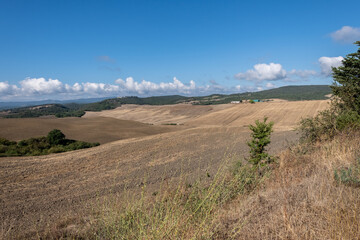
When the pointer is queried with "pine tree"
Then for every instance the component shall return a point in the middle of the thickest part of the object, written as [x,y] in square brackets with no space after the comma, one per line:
[260,139]
[346,84]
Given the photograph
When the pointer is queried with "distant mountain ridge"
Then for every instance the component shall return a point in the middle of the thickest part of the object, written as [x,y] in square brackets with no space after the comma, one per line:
[73,109]
[7,105]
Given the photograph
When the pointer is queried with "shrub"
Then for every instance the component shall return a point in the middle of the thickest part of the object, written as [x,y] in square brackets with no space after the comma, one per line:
[347,119]
[349,176]
[55,142]
[260,139]
[6,142]
[55,137]
[56,149]
[328,123]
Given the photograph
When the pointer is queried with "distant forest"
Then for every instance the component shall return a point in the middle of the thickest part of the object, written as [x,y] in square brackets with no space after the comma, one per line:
[291,93]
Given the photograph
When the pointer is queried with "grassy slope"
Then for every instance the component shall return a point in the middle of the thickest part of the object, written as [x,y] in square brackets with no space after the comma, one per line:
[302,200]
[298,198]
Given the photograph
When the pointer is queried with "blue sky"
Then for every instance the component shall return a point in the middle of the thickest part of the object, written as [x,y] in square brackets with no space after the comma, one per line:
[75,49]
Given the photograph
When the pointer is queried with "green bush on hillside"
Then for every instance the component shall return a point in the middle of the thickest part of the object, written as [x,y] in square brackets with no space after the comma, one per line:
[54,142]
[260,139]
[349,175]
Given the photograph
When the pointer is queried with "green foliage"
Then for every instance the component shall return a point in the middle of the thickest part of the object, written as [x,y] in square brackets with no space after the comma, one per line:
[6,142]
[261,132]
[55,142]
[251,101]
[328,123]
[70,114]
[344,113]
[346,84]
[349,176]
[55,137]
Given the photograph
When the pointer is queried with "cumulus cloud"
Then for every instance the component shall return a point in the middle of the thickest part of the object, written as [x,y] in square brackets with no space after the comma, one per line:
[144,87]
[263,72]
[326,63]
[41,88]
[7,89]
[346,34]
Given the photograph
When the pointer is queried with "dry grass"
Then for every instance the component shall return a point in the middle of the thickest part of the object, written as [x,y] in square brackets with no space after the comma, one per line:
[301,200]
[184,212]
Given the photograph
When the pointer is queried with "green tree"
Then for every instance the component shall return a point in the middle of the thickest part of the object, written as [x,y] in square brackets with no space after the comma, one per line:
[346,84]
[55,137]
[261,132]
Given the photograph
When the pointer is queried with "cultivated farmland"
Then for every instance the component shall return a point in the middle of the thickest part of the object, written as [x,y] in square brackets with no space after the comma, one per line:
[38,190]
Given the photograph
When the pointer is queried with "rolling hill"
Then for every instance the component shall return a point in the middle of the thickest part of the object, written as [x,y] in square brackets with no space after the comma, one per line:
[291,93]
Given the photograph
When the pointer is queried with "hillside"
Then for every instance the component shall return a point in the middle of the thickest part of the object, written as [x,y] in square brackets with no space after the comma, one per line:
[286,114]
[131,152]
[9,105]
[291,93]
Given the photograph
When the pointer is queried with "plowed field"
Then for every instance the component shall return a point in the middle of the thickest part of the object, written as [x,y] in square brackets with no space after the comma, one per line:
[37,191]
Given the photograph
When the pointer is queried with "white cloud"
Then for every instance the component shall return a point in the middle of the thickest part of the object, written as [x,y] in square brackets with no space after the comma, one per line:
[41,86]
[7,89]
[263,72]
[346,34]
[99,88]
[145,87]
[326,63]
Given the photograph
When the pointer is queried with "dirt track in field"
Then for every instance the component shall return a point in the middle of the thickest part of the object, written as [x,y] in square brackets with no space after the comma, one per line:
[36,191]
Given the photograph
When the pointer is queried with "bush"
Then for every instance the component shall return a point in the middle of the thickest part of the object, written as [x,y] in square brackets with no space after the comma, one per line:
[6,142]
[260,139]
[349,176]
[56,149]
[328,123]
[55,137]
[55,142]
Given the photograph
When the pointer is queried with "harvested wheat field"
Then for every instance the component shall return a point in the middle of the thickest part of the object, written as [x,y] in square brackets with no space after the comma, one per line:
[285,114]
[99,129]
[36,191]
